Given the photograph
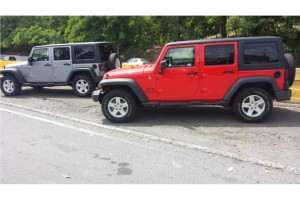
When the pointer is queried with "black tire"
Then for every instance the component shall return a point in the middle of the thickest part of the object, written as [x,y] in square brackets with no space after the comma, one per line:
[252,105]
[83,85]
[10,86]
[119,106]
[289,63]
[114,62]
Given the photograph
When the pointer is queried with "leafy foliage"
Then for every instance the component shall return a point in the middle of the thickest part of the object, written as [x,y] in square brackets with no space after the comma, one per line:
[138,33]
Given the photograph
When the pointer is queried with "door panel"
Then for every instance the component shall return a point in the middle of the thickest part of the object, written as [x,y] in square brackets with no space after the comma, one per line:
[62,63]
[41,69]
[219,72]
[180,81]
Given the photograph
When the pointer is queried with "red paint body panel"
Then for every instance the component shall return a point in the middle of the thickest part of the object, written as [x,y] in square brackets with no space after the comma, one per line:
[193,83]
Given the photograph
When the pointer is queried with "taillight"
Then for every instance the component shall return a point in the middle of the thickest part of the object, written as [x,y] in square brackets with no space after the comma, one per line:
[100,65]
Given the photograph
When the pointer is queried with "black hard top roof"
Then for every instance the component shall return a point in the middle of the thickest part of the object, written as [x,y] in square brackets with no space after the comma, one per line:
[78,43]
[224,40]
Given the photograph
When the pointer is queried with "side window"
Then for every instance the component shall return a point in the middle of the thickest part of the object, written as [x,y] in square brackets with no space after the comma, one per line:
[180,57]
[41,54]
[219,55]
[258,53]
[84,52]
[61,53]
[105,51]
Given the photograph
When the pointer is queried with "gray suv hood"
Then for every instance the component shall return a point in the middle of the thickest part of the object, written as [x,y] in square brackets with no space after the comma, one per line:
[20,64]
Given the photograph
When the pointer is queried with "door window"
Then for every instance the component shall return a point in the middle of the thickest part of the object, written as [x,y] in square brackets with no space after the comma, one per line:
[180,57]
[61,53]
[219,55]
[41,54]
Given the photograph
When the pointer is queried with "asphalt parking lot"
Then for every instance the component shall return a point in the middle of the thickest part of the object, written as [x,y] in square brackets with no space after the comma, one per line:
[273,144]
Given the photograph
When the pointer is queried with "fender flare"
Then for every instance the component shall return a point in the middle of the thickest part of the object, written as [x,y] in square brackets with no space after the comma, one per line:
[126,82]
[91,72]
[15,72]
[240,82]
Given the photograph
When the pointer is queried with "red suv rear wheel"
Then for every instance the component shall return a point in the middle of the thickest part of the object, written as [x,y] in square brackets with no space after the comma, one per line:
[252,105]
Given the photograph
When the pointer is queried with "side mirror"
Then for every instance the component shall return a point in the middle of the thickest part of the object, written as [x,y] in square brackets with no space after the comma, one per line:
[163,66]
[30,59]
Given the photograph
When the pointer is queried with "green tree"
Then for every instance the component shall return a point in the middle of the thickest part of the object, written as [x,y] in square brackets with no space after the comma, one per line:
[233,24]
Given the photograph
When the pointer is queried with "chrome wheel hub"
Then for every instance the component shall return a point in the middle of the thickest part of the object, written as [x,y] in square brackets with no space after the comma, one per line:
[253,106]
[82,86]
[118,107]
[8,86]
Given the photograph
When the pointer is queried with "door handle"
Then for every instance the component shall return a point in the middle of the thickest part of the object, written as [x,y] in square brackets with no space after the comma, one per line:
[228,72]
[67,64]
[47,65]
[192,73]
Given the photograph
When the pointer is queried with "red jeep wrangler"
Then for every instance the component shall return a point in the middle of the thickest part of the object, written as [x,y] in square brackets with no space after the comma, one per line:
[244,73]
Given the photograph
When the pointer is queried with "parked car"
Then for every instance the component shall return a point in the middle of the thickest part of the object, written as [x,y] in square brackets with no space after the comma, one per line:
[246,74]
[135,62]
[8,60]
[80,65]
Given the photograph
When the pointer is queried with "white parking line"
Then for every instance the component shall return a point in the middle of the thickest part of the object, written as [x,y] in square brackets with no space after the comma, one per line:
[265,163]
[89,132]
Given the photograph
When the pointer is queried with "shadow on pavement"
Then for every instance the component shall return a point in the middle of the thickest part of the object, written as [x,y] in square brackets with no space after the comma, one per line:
[46,92]
[208,116]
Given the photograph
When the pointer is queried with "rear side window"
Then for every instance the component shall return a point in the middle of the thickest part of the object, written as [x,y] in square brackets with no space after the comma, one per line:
[219,55]
[105,51]
[259,53]
[84,52]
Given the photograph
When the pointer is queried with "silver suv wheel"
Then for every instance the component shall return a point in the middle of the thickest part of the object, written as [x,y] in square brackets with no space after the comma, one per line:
[82,86]
[8,86]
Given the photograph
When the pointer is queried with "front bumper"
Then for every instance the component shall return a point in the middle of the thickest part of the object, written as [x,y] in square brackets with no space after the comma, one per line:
[283,95]
[95,95]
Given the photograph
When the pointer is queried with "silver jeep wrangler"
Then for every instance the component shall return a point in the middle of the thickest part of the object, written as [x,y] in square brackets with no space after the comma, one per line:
[80,65]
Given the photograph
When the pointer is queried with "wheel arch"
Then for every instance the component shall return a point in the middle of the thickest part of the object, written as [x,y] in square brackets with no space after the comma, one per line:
[14,72]
[266,83]
[88,72]
[125,84]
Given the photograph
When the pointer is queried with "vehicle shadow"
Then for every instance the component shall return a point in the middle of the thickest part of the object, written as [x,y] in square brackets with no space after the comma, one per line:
[46,92]
[209,116]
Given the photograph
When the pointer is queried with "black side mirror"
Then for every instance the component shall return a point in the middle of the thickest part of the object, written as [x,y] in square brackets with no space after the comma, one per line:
[163,66]
[30,59]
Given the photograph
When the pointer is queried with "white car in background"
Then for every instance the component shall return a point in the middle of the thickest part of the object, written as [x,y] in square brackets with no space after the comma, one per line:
[135,62]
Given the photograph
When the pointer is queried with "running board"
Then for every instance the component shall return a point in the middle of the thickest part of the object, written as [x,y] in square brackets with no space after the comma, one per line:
[190,103]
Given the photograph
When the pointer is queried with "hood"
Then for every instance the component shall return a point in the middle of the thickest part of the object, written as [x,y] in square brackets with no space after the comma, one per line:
[127,72]
[19,64]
